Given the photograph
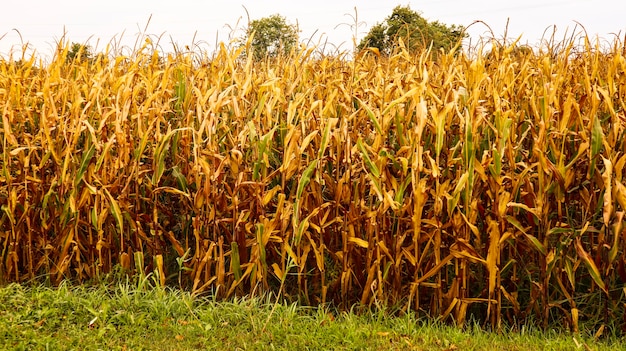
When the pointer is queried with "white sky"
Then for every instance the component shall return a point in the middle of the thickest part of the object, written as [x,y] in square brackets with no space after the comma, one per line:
[42,23]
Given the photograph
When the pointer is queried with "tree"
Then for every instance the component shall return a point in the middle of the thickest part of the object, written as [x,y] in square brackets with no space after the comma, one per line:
[272,36]
[415,31]
[79,52]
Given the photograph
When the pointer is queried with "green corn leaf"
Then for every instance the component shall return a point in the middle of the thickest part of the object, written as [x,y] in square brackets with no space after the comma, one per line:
[83,164]
[513,221]
[439,126]
[94,217]
[160,153]
[302,227]
[399,197]
[139,261]
[180,178]
[386,270]
[103,154]
[368,162]
[377,187]
[235,265]
[325,139]
[496,168]
[115,211]
[306,178]
[596,137]
[371,116]
[570,273]
[142,144]
[49,193]
[536,243]
[252,131]
[617,230]
[160,165]
[468,146]
[7,210]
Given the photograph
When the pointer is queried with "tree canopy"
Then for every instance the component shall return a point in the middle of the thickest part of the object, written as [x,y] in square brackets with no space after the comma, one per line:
[272,36]
[415,31]
[79,52]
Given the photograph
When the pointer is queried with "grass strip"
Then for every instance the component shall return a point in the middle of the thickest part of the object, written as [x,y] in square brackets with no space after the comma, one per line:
[124,316]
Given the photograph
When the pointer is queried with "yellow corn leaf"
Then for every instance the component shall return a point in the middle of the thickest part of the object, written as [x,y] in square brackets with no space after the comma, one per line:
[617,233]
[607,176]
[493,258]
[460,185]
[270,195]
[620,194]
[67,241]
[175,243]
[7,129]
[171,190]
[435,269]
[384,249]
[445,314]
[533,210]
[590,264]
[277,271]
[318,253]
[359,242]
[307,141]
[409,256]
[462,312]
[462,249]
[511,298]
[619,167]
[160,269]
[598,333]
[291,254]
[402,98]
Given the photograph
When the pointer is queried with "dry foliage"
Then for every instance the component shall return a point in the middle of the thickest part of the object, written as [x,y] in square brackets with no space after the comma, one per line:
[490,187]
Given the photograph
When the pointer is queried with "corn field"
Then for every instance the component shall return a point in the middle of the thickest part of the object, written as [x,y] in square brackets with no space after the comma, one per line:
[488,187]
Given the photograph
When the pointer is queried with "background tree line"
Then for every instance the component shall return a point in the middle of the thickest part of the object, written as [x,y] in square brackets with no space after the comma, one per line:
[274,35]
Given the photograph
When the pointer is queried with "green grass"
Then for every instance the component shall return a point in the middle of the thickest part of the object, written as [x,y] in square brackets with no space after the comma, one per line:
[126,316]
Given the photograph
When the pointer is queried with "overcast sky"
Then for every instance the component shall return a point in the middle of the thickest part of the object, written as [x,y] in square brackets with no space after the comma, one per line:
[42,23]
